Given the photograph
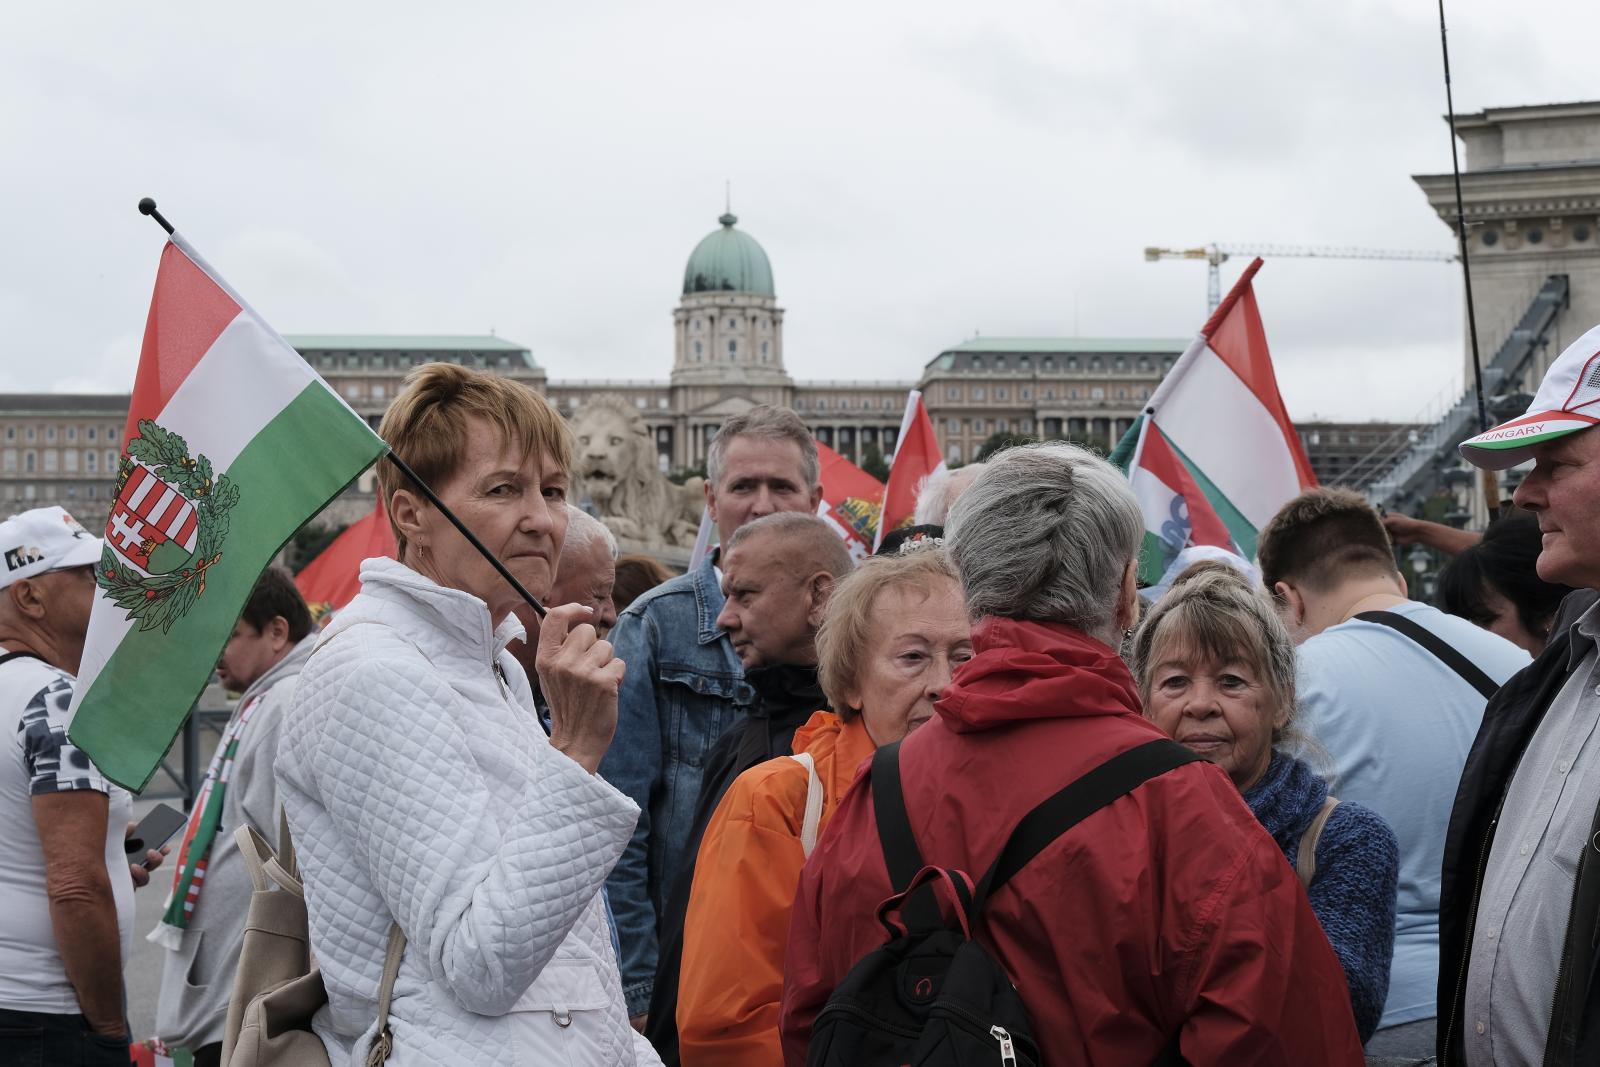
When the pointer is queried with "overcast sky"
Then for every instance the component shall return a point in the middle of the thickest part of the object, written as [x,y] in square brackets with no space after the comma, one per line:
[915,171]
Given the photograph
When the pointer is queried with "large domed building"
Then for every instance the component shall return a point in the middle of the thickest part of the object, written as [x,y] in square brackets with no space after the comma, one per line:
[728,357]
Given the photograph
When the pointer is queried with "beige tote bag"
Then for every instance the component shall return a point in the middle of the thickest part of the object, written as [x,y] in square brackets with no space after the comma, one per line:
[277,988]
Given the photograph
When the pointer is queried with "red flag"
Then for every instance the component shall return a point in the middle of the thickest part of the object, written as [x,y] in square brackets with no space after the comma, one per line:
[916,456]
[851,500]
[332,580]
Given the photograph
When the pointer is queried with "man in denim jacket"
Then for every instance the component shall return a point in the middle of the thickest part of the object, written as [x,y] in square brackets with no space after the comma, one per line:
[684,686]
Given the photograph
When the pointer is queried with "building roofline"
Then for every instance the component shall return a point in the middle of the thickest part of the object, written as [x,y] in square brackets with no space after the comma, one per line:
[1491,115]
[64,403]
[390,342]
[1070,345]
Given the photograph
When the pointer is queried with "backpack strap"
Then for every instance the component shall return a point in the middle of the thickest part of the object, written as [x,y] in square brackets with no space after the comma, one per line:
[1443,651]
[808,828]
[1305,860]
[900,852]
[1060,812]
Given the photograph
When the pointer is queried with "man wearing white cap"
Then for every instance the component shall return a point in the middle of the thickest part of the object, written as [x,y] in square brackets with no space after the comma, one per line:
[1520,955]
[66,895]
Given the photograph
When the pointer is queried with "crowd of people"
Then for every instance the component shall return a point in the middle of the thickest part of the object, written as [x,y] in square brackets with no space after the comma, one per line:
[782,809]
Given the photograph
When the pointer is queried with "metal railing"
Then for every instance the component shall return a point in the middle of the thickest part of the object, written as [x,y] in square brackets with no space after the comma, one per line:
[1417,468]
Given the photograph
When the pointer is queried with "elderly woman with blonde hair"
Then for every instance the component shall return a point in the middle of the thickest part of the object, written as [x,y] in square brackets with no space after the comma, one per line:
[428,806]
[1216,672]
[895,629]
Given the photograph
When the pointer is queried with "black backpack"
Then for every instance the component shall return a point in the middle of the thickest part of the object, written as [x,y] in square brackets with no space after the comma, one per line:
[932,996]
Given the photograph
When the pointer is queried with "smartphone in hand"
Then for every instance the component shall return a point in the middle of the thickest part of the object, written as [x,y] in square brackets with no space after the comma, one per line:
[154,830]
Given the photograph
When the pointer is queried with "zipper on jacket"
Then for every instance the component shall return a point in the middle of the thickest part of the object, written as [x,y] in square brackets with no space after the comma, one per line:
[1008,1052]
[1472,920]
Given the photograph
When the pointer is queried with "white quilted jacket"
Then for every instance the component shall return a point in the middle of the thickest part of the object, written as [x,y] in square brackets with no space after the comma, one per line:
[419,787]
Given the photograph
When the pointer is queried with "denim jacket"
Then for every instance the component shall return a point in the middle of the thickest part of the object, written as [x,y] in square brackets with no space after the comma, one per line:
[683,688]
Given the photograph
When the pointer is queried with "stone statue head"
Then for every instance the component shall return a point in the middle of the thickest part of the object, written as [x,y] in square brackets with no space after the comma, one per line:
[614,450]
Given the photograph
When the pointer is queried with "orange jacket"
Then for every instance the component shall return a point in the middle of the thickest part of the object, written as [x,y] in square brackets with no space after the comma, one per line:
[737,927]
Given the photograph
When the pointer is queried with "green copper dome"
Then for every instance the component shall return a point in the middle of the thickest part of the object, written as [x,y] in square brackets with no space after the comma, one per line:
[730,261]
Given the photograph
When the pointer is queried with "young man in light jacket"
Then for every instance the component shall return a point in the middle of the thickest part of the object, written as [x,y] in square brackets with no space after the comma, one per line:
[262,658]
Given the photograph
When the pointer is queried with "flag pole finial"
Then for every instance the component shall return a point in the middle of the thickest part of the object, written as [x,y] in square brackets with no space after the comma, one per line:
[147,206]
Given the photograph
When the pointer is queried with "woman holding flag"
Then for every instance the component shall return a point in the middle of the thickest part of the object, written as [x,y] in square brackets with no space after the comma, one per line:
[428,806]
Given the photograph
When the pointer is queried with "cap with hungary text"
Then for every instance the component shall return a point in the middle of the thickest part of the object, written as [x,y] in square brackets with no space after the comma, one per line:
[43,540]
[1568,401]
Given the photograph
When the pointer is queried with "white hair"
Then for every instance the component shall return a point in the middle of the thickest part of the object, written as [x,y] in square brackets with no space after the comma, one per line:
[1046,533]
[582,530]
[937,493]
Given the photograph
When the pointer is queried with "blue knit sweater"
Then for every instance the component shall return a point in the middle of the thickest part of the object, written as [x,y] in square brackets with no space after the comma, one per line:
[1353,890]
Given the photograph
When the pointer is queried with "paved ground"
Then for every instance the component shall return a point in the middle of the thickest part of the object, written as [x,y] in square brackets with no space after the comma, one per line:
[141,972]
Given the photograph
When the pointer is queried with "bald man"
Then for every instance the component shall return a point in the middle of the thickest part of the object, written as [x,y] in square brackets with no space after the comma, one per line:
[777,575]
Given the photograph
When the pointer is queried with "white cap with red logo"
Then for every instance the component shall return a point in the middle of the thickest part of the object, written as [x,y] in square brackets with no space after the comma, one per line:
[1568,401]
[44,539]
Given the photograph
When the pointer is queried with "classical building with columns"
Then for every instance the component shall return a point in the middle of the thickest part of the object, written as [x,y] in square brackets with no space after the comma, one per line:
[1530,186]
[728,355]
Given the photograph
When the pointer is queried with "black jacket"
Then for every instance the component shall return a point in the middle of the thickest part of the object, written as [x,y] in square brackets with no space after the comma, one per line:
[1509,722]
[785,699]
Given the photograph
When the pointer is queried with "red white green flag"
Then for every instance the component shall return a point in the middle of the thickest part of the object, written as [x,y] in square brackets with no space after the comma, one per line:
[1214,455]
[232,443]
[916,457]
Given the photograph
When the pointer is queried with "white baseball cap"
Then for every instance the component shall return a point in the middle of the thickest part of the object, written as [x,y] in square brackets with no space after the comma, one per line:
[1568,401]
[44,539]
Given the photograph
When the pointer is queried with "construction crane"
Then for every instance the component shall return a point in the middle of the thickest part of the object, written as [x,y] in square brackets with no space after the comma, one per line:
[1215,255]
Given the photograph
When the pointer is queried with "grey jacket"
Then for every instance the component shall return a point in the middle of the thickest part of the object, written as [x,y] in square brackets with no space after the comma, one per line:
[198,977]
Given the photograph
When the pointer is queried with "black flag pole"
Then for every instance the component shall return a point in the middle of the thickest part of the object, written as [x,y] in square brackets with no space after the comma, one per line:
[1491,483]
[147,206]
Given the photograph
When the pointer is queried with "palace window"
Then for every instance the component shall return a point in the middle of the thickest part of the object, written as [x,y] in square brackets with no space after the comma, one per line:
[951,392]
[1027,393]
[72,433]
[49,433]
[69,461]
[1000,392]
[89,432]
[91,461]
[733,349]
[977,392]
[697,353]
[764,352]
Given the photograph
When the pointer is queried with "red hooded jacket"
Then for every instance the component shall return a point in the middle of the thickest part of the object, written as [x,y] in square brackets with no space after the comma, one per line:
[1170,910]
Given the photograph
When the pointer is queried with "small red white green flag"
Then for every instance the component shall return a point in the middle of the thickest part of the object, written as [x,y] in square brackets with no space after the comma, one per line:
[232,443]
[1214,455]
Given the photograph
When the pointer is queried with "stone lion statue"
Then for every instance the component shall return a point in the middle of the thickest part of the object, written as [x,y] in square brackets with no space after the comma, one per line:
[615,467]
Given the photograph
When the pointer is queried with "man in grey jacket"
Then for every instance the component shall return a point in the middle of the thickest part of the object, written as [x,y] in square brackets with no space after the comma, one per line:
[204,920]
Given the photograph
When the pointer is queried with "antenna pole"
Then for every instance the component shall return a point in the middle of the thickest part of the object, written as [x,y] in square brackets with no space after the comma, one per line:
[1491,484]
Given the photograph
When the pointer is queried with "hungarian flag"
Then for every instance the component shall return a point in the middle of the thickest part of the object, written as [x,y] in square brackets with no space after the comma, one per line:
[332,580]
[916,456]
[232,443]
[1214,456]
[851,501]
